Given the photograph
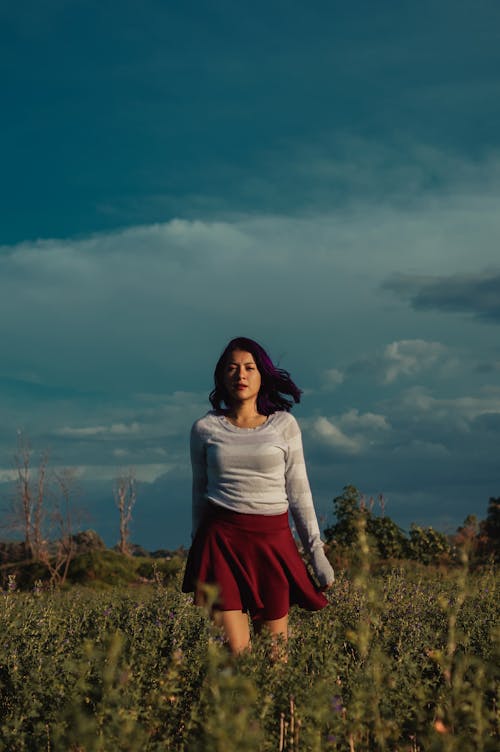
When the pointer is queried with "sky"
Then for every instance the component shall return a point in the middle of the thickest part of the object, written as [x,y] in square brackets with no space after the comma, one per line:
[320,176]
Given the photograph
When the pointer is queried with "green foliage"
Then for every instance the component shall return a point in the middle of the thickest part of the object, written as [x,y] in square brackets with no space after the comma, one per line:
[389,540]
[490,530]
[384,537]
[428,545]
[348,510]
[152,569]
[405,660]
[102,568]
[97,569]
[225,717]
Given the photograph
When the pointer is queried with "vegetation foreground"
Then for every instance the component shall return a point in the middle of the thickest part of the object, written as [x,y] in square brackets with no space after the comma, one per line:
[402,660]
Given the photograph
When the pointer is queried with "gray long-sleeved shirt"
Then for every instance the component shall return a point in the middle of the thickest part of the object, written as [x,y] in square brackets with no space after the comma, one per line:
[256,471]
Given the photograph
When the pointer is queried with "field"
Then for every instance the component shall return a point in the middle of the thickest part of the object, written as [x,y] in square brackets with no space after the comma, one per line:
[404,659]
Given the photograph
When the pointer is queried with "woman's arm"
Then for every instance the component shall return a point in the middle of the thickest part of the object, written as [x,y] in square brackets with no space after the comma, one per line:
[199,483]
[302,506]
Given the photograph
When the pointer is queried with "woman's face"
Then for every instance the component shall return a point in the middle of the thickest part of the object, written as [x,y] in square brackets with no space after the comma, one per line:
[242,377]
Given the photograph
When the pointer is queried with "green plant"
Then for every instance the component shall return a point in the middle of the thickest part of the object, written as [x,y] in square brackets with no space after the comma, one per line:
[404,659]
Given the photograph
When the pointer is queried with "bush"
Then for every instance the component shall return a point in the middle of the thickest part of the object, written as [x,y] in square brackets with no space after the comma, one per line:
[102,569]
[151,569]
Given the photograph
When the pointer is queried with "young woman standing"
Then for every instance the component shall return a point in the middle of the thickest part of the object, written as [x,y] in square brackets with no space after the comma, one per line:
[248,472]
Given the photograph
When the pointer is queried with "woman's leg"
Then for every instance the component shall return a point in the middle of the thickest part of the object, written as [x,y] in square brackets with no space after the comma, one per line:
[236,627]
[278,628]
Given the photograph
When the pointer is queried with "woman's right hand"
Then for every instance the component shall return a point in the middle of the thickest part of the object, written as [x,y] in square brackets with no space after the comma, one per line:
[322,568]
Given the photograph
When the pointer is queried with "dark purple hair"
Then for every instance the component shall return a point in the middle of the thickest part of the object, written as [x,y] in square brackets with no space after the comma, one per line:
[275,381]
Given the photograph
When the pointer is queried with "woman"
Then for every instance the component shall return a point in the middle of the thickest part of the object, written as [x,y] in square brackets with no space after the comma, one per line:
[248,471]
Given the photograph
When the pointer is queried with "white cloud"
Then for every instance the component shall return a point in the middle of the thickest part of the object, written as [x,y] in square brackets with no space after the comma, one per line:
[407,358]
[146,473]
[400,171]
[122,329]
[113,430]
[332,378]
[417,449]
[354,421]
[410,357]
[434,424]
[328,432]
[121,453]
[7,475]
[125,307]
[113,300]
[351,432]
[419,402]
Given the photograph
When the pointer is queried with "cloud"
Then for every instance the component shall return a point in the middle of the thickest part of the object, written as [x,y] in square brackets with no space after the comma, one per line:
[410,357]
[126,307]
[339,169]
[485,367]
[407,358]
[332,378]
[147,473]
[473,293]
[368,421]
[7,475]
[137,430]
[433,437]
[122,330]
[112,431]
[488,422]
[326,431]
[418,409]
[418,448]
[351,432]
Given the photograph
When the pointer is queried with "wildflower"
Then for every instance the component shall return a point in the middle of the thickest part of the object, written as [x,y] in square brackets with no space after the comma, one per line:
[336,704]
[440,727]
[178,656]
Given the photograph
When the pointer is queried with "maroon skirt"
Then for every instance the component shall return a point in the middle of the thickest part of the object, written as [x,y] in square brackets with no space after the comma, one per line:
[254,561]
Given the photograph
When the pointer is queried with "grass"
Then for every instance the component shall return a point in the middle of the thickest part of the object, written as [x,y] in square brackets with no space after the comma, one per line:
[401,660]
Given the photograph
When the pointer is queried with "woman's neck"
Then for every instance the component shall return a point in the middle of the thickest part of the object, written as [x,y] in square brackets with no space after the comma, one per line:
[245,415]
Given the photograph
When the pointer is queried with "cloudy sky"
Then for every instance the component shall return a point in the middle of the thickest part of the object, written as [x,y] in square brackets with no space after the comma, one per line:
[321,176]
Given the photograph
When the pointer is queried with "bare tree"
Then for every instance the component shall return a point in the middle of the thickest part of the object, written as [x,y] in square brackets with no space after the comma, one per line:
[42,511]
[39,511]
[125,498]
[58,555]
[29,504]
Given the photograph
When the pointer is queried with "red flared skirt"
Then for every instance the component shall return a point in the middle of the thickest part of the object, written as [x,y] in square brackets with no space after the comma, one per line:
[254,561]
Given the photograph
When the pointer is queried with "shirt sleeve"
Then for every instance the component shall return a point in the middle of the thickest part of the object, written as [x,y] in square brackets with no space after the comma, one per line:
[199,475]
[301,503]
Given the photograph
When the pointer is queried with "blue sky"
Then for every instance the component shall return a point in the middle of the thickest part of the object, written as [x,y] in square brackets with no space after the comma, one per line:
[321,176]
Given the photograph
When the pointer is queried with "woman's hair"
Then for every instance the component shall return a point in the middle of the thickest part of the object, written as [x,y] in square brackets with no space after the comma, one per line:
[275,382]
